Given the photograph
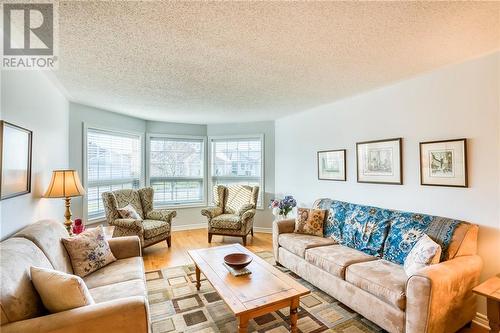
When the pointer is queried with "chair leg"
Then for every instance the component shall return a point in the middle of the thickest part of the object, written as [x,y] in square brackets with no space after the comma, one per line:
[210,238]
[252,232]
[244,240]
[169,241]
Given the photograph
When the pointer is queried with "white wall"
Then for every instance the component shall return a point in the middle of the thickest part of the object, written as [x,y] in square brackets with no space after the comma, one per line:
[31,100]
[453,102]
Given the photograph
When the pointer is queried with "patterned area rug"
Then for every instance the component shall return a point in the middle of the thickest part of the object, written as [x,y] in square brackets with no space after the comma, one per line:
[176,306]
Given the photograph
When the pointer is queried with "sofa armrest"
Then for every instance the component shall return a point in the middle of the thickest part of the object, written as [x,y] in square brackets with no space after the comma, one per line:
[124,315]
[281,227]
[131,224]
[211,212]
[161,214]
[125,247]
[439,298]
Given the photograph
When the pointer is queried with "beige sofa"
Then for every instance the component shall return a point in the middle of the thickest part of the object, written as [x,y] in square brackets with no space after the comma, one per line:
[119,289]
[437,299]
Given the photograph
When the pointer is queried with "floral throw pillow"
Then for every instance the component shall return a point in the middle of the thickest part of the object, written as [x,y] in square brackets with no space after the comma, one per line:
[129,212]
[310,221]
[425,252]
[89,251]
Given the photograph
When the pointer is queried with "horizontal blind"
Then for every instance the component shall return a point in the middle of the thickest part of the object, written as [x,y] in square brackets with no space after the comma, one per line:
[176,170]
[113,162]
[237,161]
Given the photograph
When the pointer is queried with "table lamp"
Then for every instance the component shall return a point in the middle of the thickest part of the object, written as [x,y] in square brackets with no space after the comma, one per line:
[65,184]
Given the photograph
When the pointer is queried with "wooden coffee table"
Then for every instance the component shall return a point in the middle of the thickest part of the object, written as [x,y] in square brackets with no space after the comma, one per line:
[265,290]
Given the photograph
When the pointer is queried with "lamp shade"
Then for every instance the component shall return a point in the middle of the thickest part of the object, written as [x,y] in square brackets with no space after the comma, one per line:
[64,183]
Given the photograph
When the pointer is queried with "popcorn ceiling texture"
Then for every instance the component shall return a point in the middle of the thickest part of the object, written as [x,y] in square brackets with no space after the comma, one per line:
[211,62]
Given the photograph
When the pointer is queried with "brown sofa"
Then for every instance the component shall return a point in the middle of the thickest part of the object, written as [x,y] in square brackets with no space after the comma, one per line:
[437,299]
[119,289]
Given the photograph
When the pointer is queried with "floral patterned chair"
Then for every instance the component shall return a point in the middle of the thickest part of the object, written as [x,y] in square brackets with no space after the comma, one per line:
[233,212]
[153,226]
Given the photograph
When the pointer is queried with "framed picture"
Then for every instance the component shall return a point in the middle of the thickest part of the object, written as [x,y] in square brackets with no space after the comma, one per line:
[15,160]
[444,163]
[332,165]
[380,161]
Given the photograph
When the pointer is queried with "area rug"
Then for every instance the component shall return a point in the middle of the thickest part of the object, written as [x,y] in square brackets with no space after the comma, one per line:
[176,306]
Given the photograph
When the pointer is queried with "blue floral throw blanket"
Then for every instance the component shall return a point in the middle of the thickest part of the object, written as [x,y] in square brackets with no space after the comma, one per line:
[384,233]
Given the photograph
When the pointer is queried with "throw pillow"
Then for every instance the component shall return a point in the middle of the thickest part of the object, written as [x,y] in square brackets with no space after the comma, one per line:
[88,251]
[425,252]
[310,221]
[129,212]
[60,291]
[366,229]
[337,213]
[406,230]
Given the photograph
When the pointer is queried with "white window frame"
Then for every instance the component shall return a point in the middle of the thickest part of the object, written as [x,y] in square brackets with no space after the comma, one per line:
[174,136]
[86,127]
[262,166]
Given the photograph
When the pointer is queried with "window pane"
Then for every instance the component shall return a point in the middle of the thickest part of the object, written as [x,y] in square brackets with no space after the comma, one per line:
[237,161]
[113,162]
[176,170]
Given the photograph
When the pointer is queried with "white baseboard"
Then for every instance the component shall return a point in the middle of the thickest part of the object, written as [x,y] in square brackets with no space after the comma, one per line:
[263,230]
[481,320]
[189,226]
[204,226]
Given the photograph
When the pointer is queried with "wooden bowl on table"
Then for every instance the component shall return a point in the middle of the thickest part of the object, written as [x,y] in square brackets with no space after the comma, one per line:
[237,260]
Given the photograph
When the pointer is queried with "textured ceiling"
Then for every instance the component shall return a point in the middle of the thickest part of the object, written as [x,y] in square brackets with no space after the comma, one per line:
[208,62]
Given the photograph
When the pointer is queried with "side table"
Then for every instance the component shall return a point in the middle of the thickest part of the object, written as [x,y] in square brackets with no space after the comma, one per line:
[491,290]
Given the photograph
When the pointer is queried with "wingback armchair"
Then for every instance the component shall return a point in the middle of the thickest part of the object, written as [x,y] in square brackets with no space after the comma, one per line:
[154,225]
[233,212]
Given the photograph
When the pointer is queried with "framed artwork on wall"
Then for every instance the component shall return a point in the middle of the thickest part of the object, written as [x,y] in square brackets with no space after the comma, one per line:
[15,160]
[380,161]
[444,163]
[332,165]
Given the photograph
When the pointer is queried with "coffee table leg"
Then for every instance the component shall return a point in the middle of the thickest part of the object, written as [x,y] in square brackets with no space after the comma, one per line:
[293,314]
[243,324]
[198,277]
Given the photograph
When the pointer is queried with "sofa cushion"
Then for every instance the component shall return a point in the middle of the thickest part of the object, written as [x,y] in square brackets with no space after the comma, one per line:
[60,291]
[336,258]
[382,279]
[118,271]
[89,251]
[338,211]
[366,229]
[18,298]
[407,228]
[299,243]
[153,228]
[226,221]
[310,221]
[47,236]
[118,290]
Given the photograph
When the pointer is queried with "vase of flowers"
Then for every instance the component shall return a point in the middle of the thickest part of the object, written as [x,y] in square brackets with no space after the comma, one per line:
[281,208]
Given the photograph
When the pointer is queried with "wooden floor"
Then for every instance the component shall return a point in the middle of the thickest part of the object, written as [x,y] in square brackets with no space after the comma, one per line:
[159,255]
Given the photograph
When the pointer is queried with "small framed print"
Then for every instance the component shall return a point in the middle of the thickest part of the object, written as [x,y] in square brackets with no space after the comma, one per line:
[444,163]
[332,165]
[15,160]
[380,161]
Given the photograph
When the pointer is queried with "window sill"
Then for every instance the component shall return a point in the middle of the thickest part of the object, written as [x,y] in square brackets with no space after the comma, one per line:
[181,206]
